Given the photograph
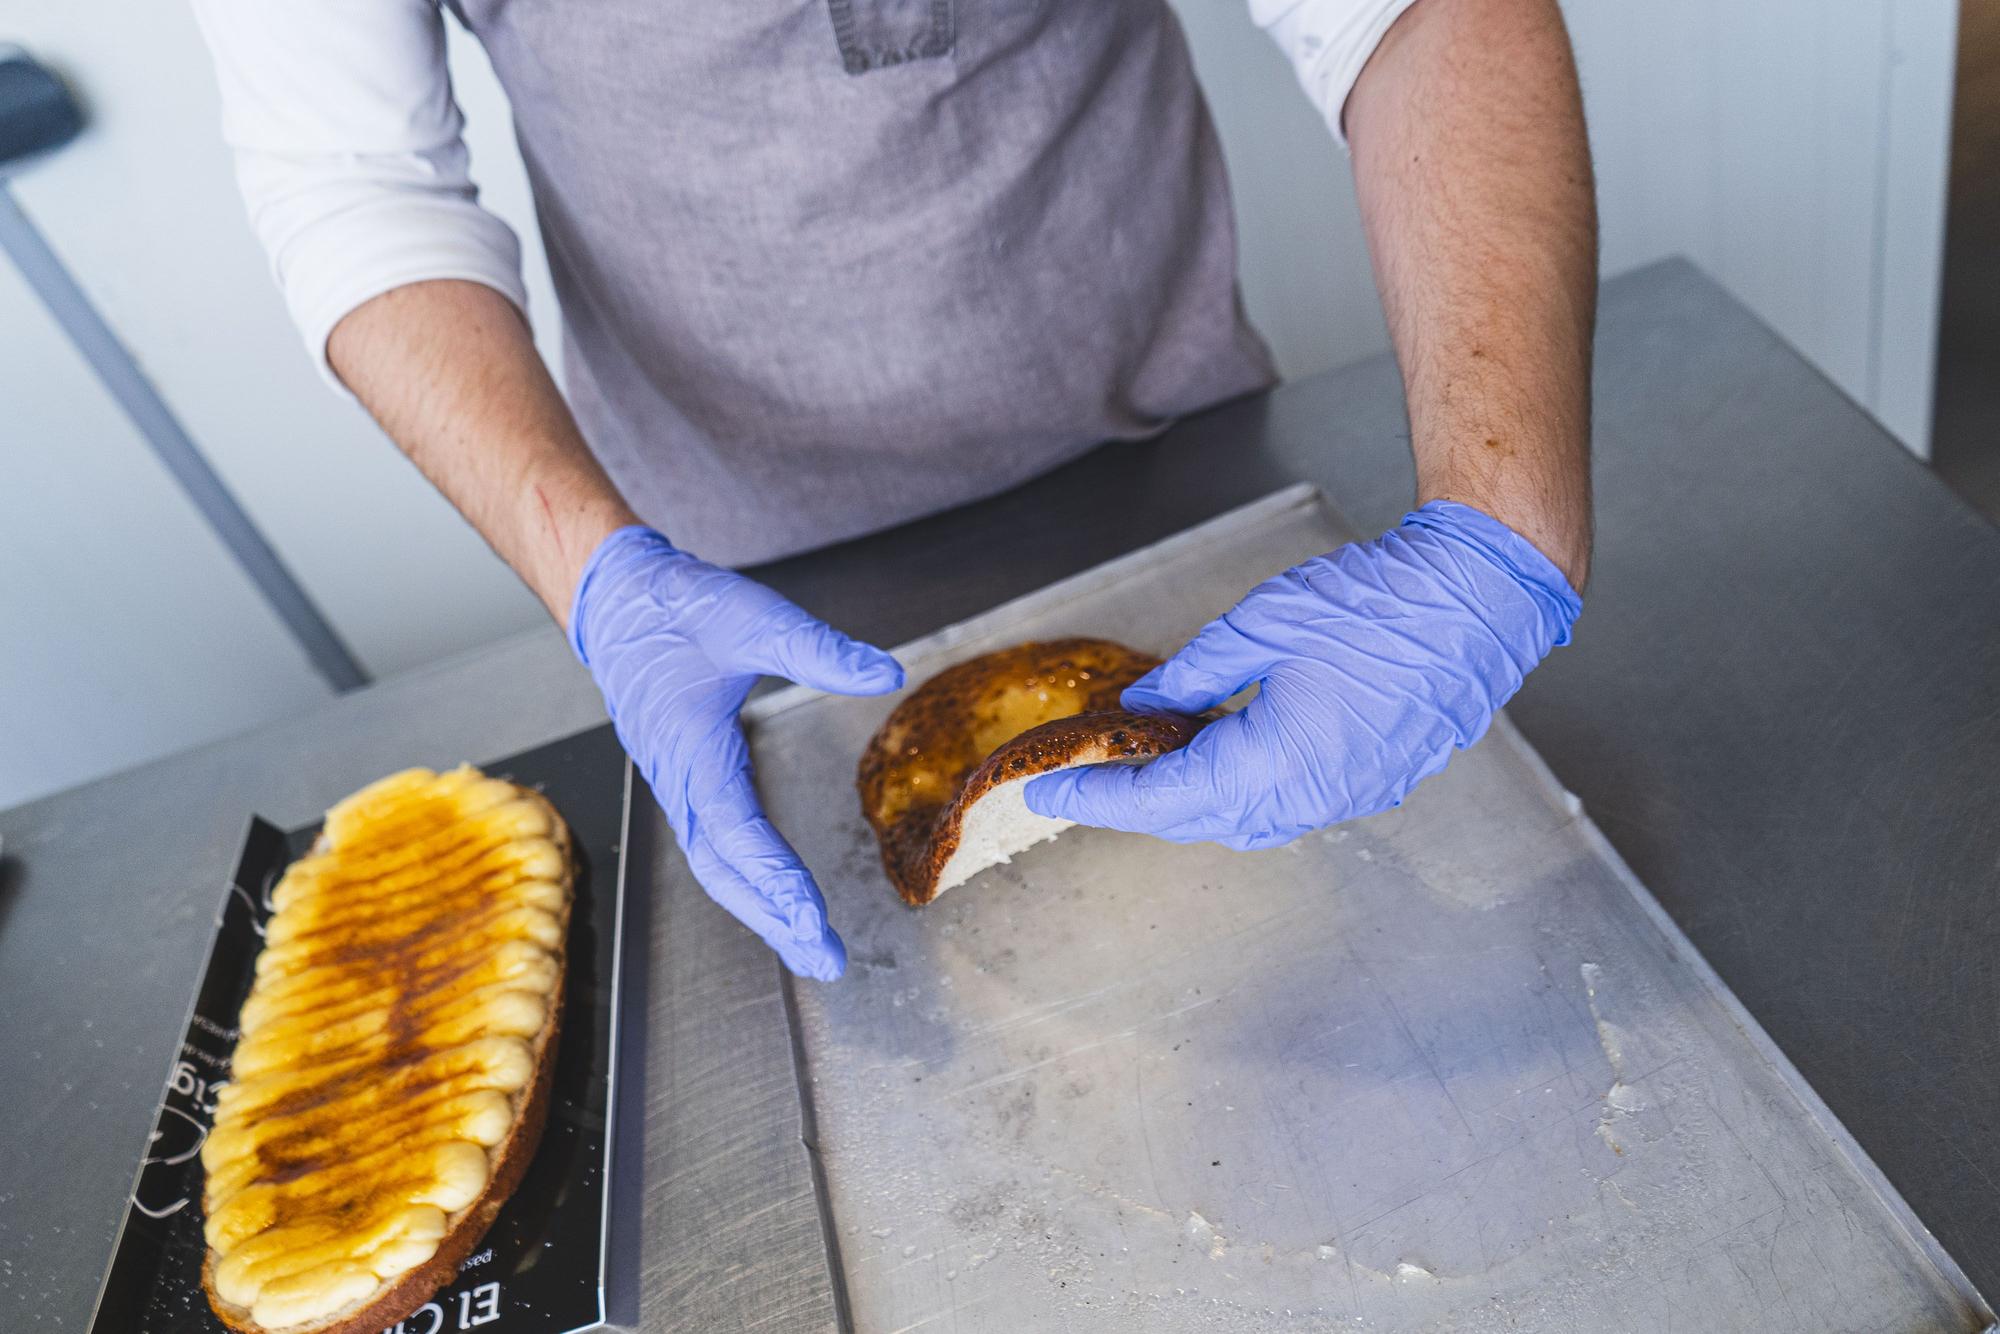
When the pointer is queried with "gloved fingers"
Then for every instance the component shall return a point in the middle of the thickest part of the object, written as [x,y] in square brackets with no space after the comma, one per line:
[1217,663]
[1173,797]
[783,639]
[822,959]
[772,892]
[1259,840]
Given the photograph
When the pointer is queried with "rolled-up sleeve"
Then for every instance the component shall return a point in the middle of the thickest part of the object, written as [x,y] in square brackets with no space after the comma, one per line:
[1328,42]
[350,155]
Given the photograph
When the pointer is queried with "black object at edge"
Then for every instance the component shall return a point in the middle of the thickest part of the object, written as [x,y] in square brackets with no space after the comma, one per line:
[545,1251]
[37,112]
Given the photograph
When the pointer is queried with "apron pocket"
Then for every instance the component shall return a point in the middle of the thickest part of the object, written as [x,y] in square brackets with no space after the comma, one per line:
[875,34]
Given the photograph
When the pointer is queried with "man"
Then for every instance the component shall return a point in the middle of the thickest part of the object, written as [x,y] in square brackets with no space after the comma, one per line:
[826,265]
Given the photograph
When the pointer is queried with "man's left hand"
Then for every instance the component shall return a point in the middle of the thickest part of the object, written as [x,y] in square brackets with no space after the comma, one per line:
[1373,663]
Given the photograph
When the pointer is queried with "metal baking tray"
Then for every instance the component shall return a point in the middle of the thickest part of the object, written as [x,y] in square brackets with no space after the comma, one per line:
[541,1267]
[1447,1068]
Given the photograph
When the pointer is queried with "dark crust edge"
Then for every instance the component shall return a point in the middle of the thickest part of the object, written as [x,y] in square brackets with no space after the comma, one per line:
[401,1299]
[1084,738]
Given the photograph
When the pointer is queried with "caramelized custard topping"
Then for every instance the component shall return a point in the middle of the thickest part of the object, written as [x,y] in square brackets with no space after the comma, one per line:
[946,728]
[402,1000]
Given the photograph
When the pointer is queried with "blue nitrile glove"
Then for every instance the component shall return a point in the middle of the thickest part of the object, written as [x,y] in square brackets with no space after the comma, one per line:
[675,645]
[1374,662]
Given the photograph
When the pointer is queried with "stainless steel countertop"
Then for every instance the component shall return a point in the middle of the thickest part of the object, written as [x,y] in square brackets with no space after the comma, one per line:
[1783,707]
[1446,1068]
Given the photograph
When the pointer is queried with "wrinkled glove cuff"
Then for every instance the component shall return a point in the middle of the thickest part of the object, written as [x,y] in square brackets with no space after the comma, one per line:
[623,552]
[1506,550]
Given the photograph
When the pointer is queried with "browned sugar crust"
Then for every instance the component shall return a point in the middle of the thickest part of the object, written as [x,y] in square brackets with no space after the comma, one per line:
[404,1296]
[1006,715]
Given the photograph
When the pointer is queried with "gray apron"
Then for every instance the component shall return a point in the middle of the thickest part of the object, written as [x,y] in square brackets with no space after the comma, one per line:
[826,265]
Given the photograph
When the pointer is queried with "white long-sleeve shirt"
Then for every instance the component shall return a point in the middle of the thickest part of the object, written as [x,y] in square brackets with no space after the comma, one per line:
[350,153]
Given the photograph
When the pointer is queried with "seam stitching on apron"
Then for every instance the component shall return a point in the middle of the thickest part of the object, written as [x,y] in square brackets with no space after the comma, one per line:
[940,41]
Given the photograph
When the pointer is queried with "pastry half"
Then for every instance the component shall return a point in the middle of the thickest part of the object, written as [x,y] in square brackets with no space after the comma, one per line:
[941,780]
[392,1071]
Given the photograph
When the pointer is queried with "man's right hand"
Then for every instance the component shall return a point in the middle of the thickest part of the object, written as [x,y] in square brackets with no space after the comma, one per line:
[675,645]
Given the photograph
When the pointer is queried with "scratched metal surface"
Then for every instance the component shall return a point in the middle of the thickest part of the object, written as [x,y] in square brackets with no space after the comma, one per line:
[1447,1068]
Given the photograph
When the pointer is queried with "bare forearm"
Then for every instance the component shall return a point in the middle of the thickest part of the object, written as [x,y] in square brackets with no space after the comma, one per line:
[449,371]
[1475,186]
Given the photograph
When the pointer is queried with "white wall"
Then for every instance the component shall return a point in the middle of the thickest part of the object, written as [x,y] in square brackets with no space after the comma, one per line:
[144,211]
[1797,151]
[1794,148]
[126,631]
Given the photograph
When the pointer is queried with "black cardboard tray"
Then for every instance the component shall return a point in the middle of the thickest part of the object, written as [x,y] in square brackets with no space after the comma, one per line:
[540,1268]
